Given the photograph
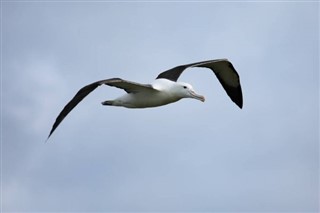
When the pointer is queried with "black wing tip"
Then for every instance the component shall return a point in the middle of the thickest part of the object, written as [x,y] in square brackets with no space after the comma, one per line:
[239,104]
[235,94]
[52,130]
[238,98]
[50,134]
[82,93]
[47,138]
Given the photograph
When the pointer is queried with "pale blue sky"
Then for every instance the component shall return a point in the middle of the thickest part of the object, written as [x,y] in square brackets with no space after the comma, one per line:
[187,156]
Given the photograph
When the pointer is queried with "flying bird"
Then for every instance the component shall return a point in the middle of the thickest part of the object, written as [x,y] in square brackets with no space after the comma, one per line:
[164,90]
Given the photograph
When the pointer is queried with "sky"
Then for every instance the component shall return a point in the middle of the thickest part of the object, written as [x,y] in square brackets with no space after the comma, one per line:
[188,156]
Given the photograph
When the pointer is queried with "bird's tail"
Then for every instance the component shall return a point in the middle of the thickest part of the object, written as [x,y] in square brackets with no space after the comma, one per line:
[107,103]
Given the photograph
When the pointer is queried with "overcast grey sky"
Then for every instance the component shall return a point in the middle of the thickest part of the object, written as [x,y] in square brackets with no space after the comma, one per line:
[187,156]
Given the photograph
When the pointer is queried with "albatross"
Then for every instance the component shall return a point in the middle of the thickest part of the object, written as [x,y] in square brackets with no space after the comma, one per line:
[164,90]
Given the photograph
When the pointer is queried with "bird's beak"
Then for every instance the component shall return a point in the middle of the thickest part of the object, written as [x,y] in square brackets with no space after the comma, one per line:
[196,96]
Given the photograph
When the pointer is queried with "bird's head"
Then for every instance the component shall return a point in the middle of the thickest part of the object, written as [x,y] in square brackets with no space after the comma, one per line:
[185,90]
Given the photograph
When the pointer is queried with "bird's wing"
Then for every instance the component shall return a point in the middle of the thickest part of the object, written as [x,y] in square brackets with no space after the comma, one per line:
[224,71]
[129,87]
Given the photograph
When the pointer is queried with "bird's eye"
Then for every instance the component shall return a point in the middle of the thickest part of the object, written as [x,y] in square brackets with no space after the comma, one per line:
[185,87]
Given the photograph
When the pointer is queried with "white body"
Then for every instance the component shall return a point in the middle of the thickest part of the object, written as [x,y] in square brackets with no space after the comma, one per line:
[164,92]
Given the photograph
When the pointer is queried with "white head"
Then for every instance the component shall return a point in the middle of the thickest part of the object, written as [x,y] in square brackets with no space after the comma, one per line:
[185,90]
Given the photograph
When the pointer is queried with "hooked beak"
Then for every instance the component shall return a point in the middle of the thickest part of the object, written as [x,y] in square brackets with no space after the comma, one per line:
[196,96]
